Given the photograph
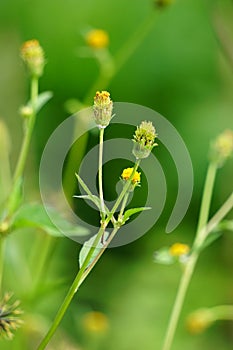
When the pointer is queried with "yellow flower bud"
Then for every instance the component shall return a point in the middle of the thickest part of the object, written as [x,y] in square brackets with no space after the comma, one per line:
[95,322]
[222,148]
[198,321]
[179,249]
[97,39]
[33,56]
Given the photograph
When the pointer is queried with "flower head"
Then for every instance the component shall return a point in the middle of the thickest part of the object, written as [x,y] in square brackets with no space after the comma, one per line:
[97,38]
[33,56]
[222,147]
[179,249]
[198,321]
[144,140]
[128,172]
[102,108]
[95,322]
[9,320]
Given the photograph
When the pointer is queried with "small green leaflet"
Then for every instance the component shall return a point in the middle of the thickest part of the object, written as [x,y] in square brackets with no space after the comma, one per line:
[133,211]
[87,246]
[226,225]
[42,99]
[35,215]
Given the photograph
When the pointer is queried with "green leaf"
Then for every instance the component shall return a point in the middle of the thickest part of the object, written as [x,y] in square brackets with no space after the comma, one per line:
[162,256]
[133,211]
[226,225]
[35,215]
[87,246]
[93,199]
[42,99]
[211,238]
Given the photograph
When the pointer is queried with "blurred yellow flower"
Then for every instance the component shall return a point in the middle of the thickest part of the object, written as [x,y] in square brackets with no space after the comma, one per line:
[198,321]
[127,173]
[97,38]
[179,249]
[95,322]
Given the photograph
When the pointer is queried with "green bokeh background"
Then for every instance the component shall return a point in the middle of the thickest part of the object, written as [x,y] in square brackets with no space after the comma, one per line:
[184,70]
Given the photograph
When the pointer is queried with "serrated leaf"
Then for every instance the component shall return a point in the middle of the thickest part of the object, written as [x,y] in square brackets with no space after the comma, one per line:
[42,99]
[87,246]
[162,256]
[133,211]
[35,215]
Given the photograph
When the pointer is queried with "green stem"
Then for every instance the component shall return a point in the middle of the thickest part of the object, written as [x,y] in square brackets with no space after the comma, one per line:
[28,132]
[190,265]
[206,200]
[124,202]
[134,41]
[101,194]
[73,289]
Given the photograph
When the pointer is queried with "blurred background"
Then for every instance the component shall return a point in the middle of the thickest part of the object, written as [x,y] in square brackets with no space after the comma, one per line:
[178,61]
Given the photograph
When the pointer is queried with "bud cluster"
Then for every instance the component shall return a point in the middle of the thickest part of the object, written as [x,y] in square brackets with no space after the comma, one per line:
[144,140]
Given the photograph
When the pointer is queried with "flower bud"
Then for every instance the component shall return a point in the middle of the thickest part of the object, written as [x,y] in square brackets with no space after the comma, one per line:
[102,109]
[26,112]
[33,56]
[97,38]
[179,249]
[144,138]
[222,148]
[9,320]
[198,321]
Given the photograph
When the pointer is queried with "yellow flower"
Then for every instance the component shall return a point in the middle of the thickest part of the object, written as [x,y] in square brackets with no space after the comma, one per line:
[198,321]
[179,249]
[97,38]
[33,55]
[127,173]
[95,322]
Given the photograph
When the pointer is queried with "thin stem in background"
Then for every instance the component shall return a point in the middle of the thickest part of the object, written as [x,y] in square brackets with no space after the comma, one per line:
[190,265]
[28,132]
